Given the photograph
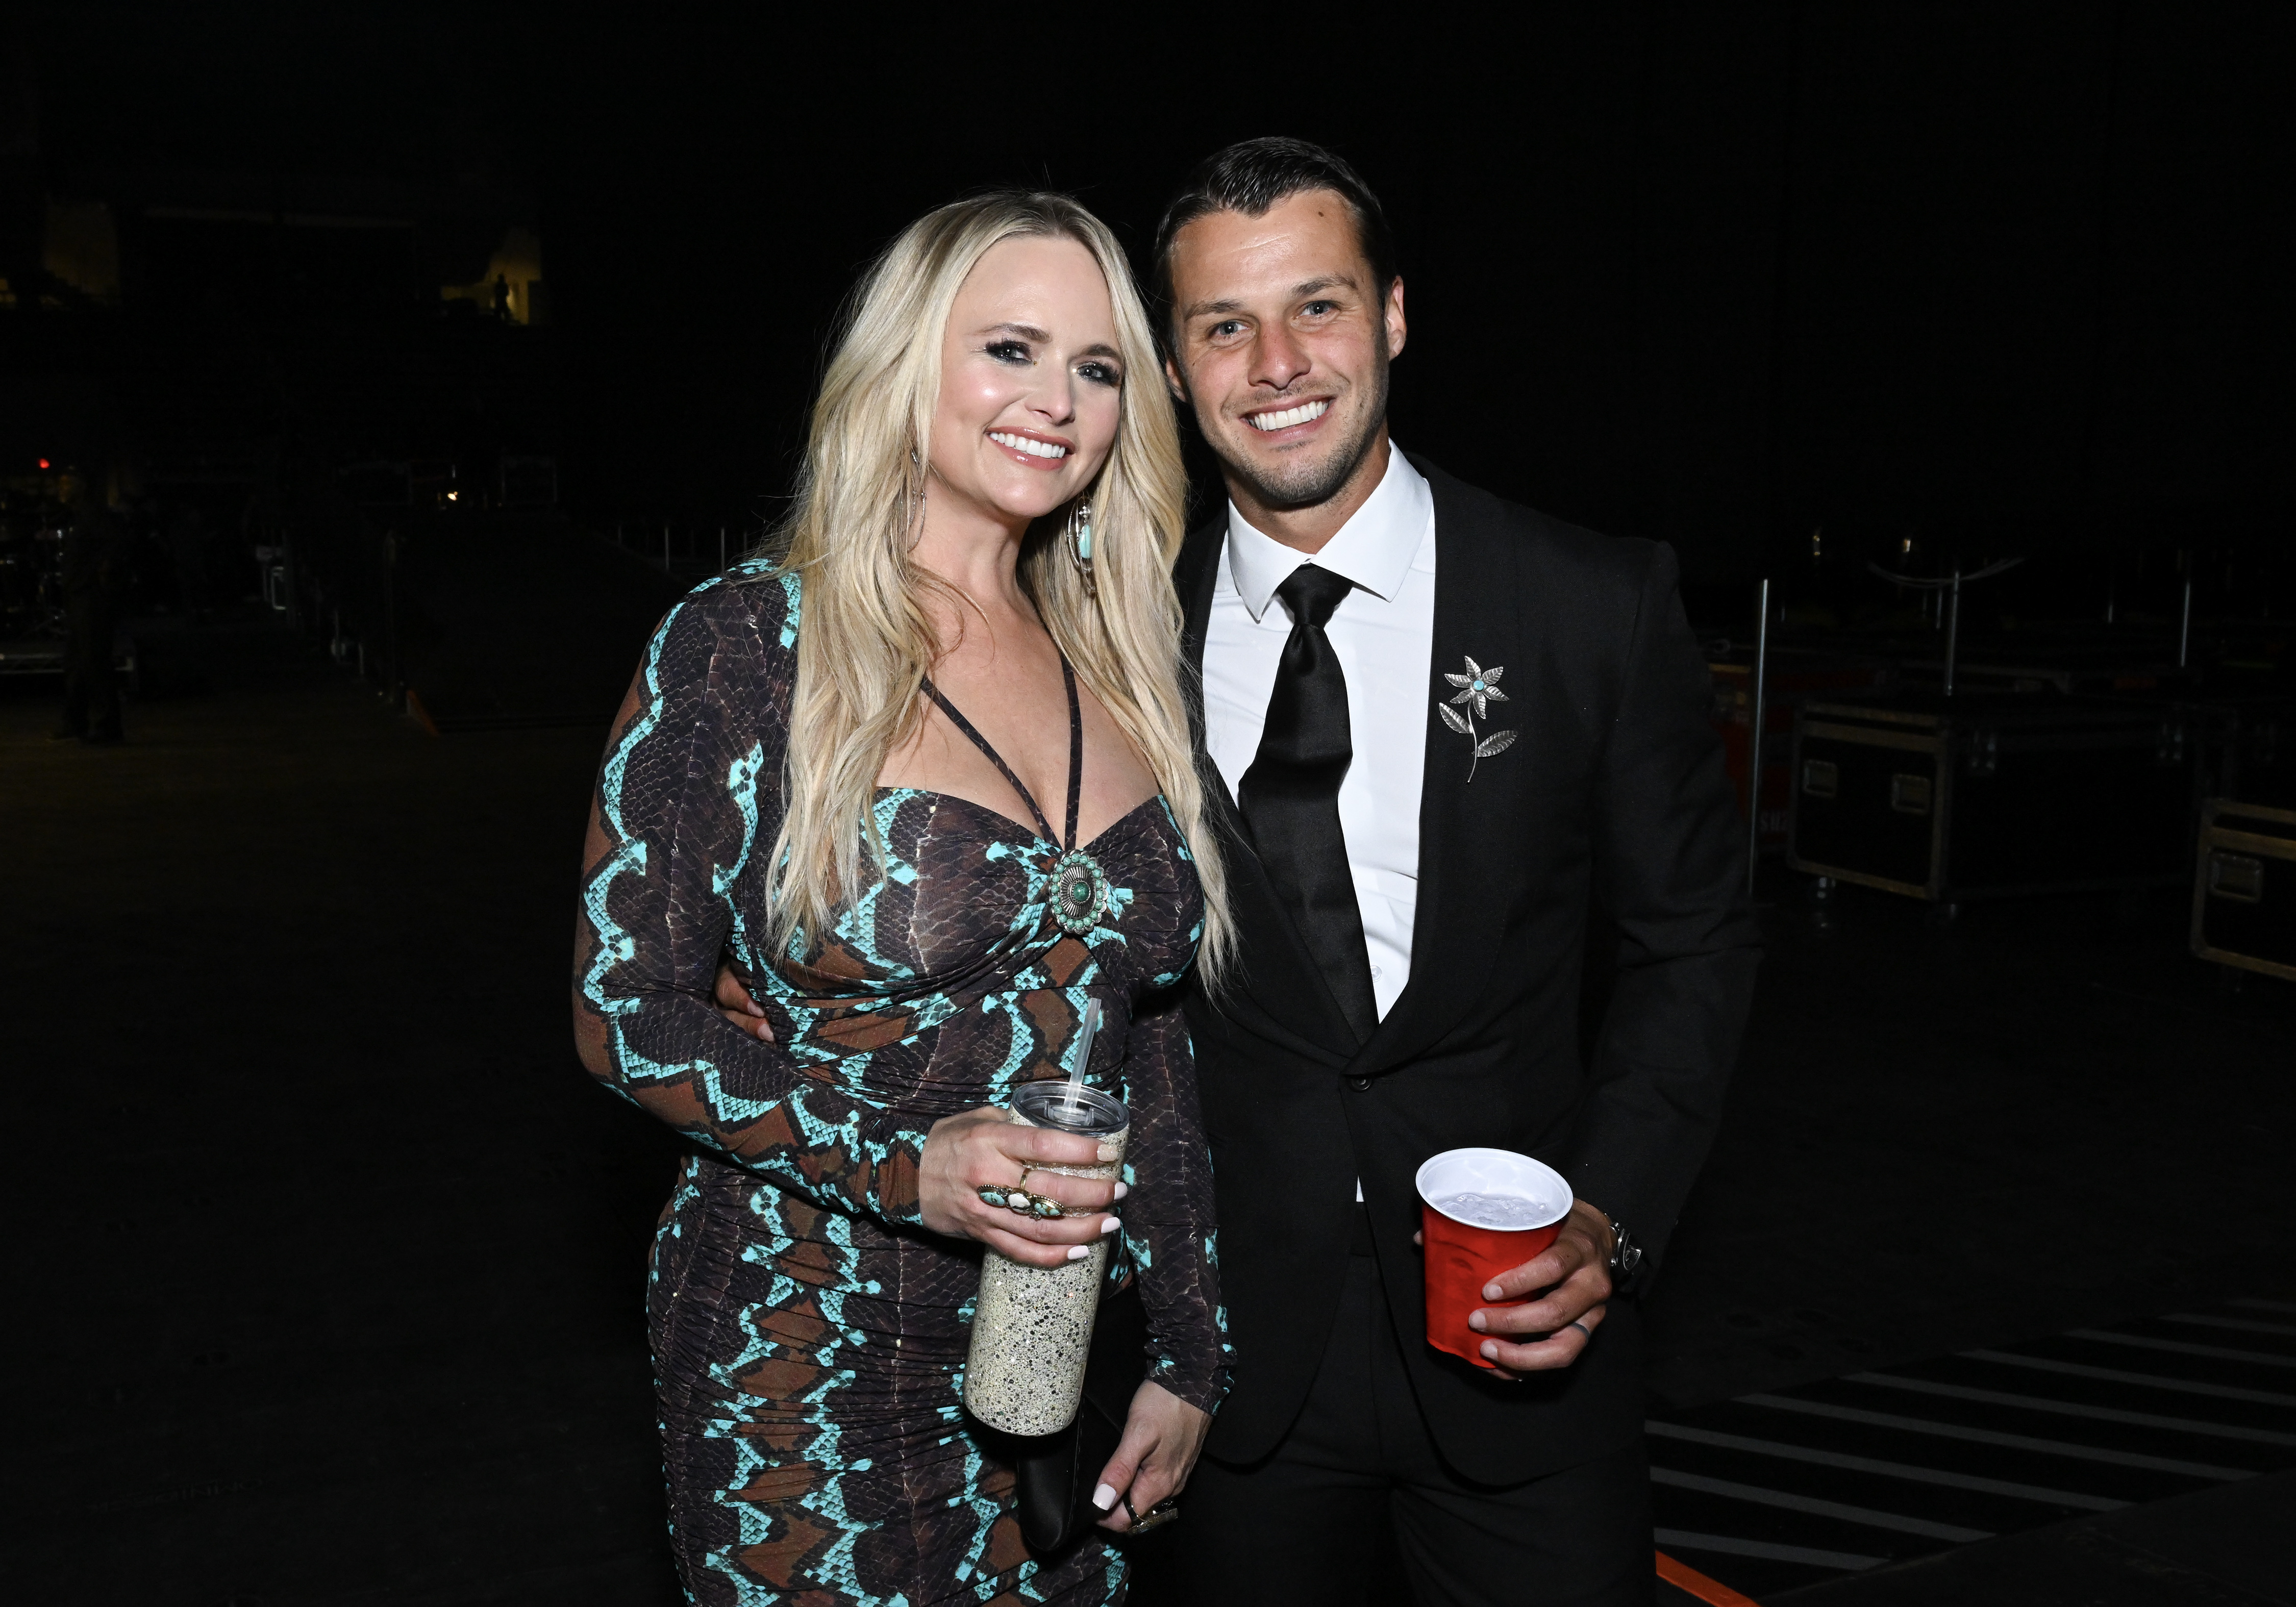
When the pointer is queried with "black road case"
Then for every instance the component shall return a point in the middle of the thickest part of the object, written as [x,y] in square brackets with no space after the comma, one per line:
[2244,887]
[1988,796]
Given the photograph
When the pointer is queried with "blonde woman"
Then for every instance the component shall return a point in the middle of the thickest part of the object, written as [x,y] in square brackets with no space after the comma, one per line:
[925,776]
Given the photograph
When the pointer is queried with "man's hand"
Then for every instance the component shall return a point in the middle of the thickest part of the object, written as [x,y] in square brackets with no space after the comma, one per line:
[736,1004]
[1572,1278]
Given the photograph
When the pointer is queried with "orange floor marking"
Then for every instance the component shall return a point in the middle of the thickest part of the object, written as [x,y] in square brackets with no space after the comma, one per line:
[1683,1577]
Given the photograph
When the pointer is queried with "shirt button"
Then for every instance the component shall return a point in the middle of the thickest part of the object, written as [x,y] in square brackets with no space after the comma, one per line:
[1375,970]
[1359,1083]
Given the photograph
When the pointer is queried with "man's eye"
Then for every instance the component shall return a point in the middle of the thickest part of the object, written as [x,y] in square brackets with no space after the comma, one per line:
[1227,329]
[1008,351]
[1316,310]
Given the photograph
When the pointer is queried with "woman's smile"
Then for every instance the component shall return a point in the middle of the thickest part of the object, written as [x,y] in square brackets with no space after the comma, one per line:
[1032,450]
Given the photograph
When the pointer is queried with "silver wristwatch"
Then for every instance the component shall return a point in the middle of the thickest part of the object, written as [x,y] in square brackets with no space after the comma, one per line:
[1625,1256]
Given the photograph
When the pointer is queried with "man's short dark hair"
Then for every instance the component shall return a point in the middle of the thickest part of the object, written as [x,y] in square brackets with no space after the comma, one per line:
[1251,177]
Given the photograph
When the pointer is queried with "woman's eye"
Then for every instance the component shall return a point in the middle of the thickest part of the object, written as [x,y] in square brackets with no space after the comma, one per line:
[1008,351]
[1101,373]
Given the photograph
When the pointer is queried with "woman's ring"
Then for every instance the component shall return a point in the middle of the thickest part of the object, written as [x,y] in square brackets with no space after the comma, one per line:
[1155,1517]
[1020,1202]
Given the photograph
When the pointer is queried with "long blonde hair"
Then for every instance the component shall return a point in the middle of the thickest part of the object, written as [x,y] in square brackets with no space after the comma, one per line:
[865,642]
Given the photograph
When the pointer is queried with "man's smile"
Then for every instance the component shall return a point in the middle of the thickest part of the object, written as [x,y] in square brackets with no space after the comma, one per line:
[1271,420]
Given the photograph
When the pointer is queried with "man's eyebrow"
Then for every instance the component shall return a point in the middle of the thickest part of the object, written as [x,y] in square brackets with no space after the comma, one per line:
[1300,292]
[1197,310]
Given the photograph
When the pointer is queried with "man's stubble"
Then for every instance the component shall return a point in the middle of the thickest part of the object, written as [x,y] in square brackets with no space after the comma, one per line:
[1302,483]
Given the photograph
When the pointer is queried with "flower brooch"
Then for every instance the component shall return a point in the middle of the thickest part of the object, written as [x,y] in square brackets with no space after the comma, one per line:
[1478,689]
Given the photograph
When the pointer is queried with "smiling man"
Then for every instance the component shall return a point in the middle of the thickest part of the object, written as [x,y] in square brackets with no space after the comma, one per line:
[1453,736]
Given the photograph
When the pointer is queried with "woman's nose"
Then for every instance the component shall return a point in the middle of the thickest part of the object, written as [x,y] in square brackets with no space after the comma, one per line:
[1055,399]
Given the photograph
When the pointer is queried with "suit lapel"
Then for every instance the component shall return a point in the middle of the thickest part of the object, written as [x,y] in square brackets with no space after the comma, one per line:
[1282,995]
[1478,613]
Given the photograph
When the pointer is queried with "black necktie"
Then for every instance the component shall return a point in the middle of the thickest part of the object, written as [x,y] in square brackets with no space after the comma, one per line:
[1290,795]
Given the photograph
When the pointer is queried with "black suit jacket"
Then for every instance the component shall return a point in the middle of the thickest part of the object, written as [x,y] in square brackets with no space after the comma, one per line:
[1611,798]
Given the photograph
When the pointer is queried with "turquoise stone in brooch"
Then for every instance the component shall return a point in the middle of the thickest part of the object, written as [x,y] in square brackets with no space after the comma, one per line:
[1079,892]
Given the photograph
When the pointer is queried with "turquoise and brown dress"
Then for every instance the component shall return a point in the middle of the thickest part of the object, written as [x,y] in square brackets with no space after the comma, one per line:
[809,1334]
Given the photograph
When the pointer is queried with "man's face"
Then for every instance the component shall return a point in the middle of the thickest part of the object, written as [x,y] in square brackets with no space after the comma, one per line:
[1283,344]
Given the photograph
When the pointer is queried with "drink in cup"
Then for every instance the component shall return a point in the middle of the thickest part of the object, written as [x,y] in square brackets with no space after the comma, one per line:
[1481,1213]
[1032,1325]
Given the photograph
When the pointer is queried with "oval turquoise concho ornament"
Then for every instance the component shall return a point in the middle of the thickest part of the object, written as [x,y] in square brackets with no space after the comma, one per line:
[1079,892]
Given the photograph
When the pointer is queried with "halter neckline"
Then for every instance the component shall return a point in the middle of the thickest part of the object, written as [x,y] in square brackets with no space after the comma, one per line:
[1075,756]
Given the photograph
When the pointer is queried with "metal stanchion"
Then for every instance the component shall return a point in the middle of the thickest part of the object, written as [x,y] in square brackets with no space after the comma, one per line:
[1953,630]
[2185,629]
[1754,739]
[1948,592]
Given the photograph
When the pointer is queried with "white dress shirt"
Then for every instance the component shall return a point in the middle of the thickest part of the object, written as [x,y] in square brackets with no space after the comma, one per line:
[1384,634]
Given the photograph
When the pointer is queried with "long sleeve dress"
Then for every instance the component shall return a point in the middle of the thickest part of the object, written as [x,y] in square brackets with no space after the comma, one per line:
[808,1335]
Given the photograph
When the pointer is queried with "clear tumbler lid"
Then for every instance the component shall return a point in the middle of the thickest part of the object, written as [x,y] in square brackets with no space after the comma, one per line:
[1070,1108]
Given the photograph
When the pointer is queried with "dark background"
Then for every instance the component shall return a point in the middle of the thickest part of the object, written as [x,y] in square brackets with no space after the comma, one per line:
[333,1258]
[2005,277]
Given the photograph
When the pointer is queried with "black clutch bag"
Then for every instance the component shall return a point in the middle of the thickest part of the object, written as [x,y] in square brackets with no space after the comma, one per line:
[1057,1472]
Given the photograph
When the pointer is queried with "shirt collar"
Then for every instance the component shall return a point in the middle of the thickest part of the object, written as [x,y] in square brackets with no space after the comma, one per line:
[1373,549]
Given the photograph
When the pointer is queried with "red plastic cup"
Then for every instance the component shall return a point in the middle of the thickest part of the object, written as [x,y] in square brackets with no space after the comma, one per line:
[1464,1252]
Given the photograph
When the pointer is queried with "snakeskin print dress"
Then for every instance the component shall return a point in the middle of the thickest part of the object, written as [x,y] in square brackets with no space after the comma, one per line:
[808,1335]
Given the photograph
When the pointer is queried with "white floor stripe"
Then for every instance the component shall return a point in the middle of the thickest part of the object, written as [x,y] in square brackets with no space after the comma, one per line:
[2113,1375]
[2237,1324]
[2022,1442]
[2179,1348]
[1678,1539]
[2068,1409]
[1888,1470]
[1865,1516]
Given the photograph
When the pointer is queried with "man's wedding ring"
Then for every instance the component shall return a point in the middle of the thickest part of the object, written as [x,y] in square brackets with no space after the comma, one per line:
[1582,1328]
[1020,1202]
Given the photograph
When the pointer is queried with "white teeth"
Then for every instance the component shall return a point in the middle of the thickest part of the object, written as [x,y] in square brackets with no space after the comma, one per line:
[1022,443]
[1289,416]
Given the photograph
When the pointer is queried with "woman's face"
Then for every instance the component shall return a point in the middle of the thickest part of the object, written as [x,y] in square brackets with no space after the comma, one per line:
[1030,380]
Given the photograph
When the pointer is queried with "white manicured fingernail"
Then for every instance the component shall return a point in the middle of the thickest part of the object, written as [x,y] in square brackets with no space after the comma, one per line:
[1123,1189]
[1104,1497]
[1109,1225]
[1078,1253]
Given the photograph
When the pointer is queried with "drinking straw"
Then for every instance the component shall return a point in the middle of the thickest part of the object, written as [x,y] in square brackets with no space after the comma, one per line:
[1086,1033]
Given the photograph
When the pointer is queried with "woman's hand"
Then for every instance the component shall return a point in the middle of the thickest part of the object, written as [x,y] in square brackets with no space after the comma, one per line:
[982,1149]
[1163,1436]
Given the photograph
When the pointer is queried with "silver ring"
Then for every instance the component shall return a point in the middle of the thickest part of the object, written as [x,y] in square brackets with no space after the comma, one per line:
[1582,1328]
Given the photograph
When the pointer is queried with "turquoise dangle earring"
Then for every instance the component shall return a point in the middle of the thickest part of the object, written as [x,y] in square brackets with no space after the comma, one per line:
[1079,543]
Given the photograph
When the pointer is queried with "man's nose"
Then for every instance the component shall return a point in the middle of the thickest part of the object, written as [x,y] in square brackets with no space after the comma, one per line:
[1278,358]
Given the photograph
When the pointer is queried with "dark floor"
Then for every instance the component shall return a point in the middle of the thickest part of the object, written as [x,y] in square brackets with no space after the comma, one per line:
[339,1296]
